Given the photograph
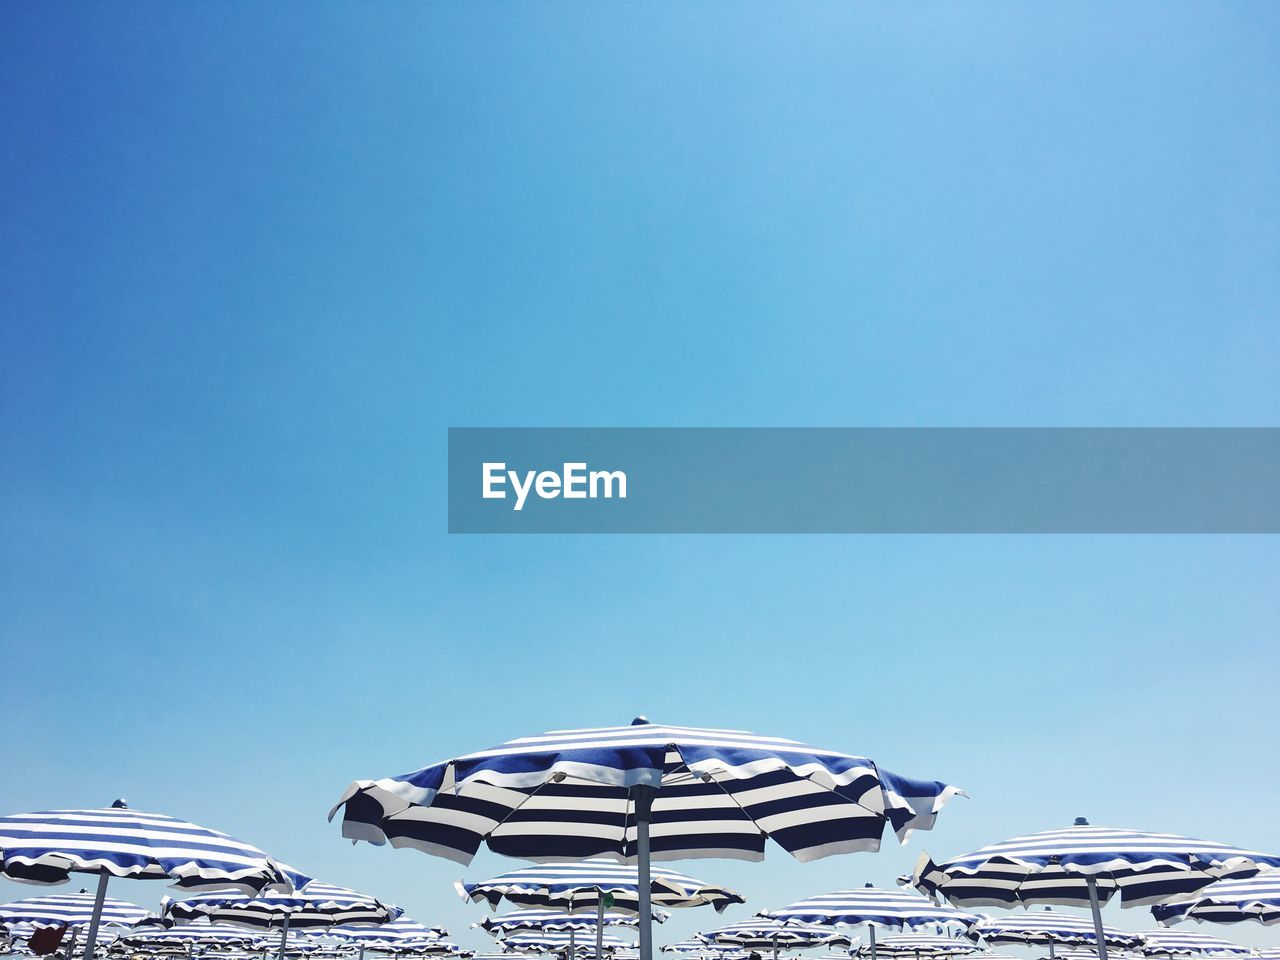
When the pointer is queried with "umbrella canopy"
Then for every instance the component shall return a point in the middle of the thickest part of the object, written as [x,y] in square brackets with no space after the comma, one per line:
[1186,943]
[1063,866]
[401,935]
[894,909]
[1050,927]
[1228,901]
[921,945]
[763,933]
[557,943]
[699,949]
[72,909]
[583,793]
[559,921]
[576,887]
[1084,953]
[180,936]
[317,906]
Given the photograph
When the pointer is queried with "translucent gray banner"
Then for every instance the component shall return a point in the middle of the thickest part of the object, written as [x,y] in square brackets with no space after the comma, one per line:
[767,480]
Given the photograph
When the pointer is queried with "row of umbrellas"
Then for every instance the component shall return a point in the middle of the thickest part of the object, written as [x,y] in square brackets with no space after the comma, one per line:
[638,793]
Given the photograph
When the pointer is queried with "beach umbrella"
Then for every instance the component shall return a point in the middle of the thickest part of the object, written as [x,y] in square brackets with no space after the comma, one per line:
[698,949]
[48,846]
[72,910]
[401,935]
[557,943]
[1086,865]
[763,933]
[316,906]
[1085,953]
[182,936]
[1228,901]
[559,920]
[923,945]
[1050,927]
[586,793]
[594,885]
[891,909]
[1187,943]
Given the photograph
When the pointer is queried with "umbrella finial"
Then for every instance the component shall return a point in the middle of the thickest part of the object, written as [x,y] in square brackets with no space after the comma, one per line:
[640,721]
[1081,822]
[120,803]
[867,885]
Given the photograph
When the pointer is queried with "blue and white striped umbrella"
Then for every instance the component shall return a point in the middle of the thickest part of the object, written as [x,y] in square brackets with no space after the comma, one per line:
[400,935]
[1187,943]
[1084,953]
[698,949]
[763,933]
[558,920]
[1228,901]
[582,793]
[47,847]
[182,935]
[559,943]
[893,909]
[1050,927]
[71,909]
[921,945]
[1061,866]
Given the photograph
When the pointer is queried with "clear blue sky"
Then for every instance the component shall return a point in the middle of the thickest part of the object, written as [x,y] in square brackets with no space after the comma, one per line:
[255,259]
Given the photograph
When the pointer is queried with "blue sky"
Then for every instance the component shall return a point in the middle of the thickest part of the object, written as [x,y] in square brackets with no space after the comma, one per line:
[254,260]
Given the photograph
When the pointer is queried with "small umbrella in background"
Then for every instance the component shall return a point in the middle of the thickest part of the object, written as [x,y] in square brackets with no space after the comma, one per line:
[1051,928]
[596,885]
[557,943]
[696,948]
[1254,898]
[559,921]
[1188,943]
[872,907]
[401,936]
[1084,865]
[47,847]
[187,936]
[574,794]
[763,933]
[72,911]
[316,906]
[924,945]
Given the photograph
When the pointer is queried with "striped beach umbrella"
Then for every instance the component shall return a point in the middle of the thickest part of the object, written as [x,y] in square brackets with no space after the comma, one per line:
[316,906]
[1051,927]
[1086,865]
[922,945]
[589,884]
[696,948]
[585,793]
[558,943]
[47,847]
[560,921]
[890,909]
[1228,901]
[1188,943]
[180,936]
[70,909]
[401,936]
[1085,953]
[763,933]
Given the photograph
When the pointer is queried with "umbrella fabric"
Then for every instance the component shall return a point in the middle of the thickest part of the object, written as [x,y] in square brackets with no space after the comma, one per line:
[1187,943]
[558,920]
[49,846]
[767,934]
[1052,868]
[73,909]
[576,887]
[1086,953]
[401,935]
[924,945]
[558,943]
[316,906]
[568,795]
[1050,926]
[698,948]
[196,934]
[1228,901]
[895,909]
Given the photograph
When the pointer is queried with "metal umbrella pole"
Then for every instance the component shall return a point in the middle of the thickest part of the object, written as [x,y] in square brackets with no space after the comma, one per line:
[1051,954]
[284,937]
[1097,916]
[871,932]
[642,796]
[775,946]
[599,925]
[91,938]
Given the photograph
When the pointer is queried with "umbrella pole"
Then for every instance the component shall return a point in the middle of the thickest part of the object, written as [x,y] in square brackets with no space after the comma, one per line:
[871,931]
[642,797]
[1092,884]
[1051,956]
[573,946]
[284,937]
[599,925]
[91,938]
[71,947]
[775,947]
